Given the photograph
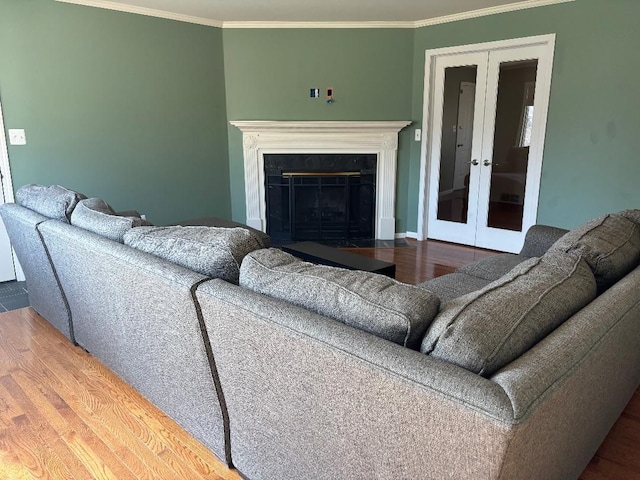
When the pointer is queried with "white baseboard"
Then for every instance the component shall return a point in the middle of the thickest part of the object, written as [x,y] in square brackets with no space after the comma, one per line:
[413,235]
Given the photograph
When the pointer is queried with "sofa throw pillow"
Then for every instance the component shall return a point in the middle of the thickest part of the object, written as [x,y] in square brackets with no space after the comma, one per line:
[95,215]
[211,251]
[377,304]
[610,244]
[52,201]
[485,330]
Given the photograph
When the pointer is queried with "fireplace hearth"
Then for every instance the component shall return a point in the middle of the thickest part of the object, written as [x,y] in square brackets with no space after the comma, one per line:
[328,198]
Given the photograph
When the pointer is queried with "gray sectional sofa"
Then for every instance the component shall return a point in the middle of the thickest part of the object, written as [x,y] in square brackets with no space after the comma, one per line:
[513,367]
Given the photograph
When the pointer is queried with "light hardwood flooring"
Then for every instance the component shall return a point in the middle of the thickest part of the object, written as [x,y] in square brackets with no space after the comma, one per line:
[63,415]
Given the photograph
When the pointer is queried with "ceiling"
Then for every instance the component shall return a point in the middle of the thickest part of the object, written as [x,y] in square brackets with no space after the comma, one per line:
[402,13]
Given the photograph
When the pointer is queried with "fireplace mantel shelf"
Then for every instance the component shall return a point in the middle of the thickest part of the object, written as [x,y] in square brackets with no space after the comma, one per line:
[274,126]
[267,136]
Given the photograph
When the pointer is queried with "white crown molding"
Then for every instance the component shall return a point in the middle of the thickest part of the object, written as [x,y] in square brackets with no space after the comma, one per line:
[304,25]
[512,7]
[484,12]
[149,12]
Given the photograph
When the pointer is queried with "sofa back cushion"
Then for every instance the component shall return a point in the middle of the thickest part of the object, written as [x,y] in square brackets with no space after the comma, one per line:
[262,237]
[212,251]
[95,215]
[631,214]
[52,201]
[539,239]
[452,285]
[493,267]
[485,330]
[375,303]
[610,244]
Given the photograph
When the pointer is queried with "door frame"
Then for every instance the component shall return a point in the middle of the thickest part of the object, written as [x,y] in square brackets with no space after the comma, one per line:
[7,184]
[544,77]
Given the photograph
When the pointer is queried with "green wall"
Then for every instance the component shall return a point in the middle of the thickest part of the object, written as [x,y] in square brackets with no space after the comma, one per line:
[134,109]
[269,73]
[124,107]
[591,165]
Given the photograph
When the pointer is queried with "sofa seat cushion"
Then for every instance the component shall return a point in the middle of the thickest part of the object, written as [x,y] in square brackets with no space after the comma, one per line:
[52,201]
[610,244]
[453,285]
[493,267]
[374,303]
[211,251]
[95,215]
[485,330]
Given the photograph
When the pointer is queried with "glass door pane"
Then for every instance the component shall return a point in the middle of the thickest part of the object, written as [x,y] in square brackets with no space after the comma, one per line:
[456,142]
[512,138]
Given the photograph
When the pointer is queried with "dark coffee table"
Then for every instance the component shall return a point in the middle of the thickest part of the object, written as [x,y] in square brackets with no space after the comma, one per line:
[334,257]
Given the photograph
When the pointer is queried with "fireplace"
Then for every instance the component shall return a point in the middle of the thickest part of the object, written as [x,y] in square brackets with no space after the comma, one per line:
[261,138]
[325,198]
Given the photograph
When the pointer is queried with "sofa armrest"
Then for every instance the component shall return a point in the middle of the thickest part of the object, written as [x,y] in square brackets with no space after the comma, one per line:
[574,384]
[309,397]
[45,293]
[539,238]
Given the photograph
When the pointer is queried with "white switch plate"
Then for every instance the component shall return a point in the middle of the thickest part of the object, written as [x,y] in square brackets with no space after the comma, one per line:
[417,135]
[17,136]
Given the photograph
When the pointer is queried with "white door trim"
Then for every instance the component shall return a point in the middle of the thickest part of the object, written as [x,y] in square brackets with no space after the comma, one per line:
[544,76]
[7,183]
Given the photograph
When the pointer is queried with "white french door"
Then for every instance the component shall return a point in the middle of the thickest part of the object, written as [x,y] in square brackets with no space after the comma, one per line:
[487,198]
[7,269]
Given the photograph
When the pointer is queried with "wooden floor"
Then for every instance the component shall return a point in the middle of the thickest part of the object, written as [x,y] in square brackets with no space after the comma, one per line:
[421,261]
[63,415]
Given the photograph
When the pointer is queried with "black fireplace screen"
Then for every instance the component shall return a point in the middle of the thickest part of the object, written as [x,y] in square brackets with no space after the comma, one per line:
[325,198]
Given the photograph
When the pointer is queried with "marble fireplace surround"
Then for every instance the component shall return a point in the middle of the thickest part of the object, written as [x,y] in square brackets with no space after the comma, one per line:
[260,137]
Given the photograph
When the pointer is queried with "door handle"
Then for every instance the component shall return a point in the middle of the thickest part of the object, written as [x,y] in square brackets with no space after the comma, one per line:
[473,162]
[486,163]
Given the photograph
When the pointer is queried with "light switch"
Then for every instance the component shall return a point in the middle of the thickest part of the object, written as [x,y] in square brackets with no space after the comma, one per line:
[17,136]
[417,135]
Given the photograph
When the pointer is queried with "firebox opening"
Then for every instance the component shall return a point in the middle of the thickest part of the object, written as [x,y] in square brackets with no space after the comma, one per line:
[319,197]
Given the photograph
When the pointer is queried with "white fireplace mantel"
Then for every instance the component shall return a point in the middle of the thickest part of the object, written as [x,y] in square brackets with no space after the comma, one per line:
[272,137]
